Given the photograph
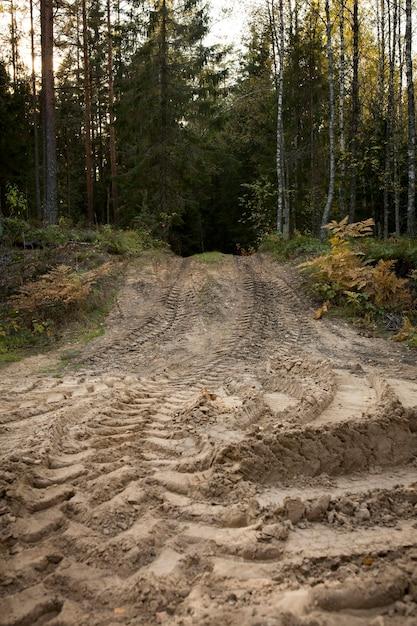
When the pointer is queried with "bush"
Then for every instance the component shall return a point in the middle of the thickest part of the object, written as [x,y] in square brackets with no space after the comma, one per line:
[55,292]
[18,232]
[298,246]
[344,277]
[124,242]
[402,250]
[15,231]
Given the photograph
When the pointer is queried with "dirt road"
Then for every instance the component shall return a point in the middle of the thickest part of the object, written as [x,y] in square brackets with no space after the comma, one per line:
[217,458]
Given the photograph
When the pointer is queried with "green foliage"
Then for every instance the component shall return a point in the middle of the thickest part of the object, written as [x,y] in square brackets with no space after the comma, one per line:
[298,246]
[209,257]
[16,201]
[124,242]
[403,250]
[18,232]
[259,205]
[169,154]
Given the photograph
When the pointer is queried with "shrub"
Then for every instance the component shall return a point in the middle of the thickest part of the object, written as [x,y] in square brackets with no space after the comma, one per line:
[18,232]
[123,242]
[402,249]
[299,245]
[343,276]
[15,231]
[54,292]
[16,201]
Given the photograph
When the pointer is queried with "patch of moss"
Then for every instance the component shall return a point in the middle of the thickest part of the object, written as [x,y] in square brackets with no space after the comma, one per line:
[210,257]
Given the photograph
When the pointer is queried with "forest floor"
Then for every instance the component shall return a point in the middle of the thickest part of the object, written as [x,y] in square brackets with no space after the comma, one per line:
[216,458]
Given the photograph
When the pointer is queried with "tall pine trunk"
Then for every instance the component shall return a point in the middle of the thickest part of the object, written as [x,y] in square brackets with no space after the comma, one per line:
[87,119]
[164,107]
[332,163]
[48,109]
[112,130]
[411,211]
[35,118]
[391,113]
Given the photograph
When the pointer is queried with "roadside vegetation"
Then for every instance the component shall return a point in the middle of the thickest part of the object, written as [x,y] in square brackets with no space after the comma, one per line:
[58,283]
[366,280]
[209,258]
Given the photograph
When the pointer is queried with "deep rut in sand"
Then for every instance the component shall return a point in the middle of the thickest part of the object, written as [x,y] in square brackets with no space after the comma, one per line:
[216,458]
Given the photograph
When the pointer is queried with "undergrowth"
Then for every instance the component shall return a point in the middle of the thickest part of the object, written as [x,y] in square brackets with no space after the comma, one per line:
[209,257]
[23,234]
[298,246]
[61,303]
[368,289]
[58,282]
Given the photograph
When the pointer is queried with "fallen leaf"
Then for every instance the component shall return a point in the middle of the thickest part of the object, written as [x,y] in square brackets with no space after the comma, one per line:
[119,611]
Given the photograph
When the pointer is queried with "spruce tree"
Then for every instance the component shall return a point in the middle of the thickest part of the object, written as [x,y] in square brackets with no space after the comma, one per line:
[166,95]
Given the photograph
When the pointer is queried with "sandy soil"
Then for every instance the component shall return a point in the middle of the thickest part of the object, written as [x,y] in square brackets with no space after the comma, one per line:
[217,458]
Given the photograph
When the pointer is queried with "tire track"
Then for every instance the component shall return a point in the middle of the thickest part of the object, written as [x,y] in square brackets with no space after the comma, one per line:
[208,488]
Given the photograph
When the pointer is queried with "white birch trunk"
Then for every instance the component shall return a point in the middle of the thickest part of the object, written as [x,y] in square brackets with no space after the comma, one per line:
[332,165]
[279,79]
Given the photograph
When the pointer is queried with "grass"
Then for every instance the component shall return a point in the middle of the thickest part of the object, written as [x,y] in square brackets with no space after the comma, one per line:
[403,250]
[209,257]
[299,246]
[125,242]
[9,356]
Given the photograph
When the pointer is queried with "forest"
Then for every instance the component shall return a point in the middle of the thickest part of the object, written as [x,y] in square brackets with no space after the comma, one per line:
[208,313]
[122,112]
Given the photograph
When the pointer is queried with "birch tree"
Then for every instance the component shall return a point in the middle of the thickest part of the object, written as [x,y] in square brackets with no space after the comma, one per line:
[277,38]
[342,78]
[355,111]
[332,160]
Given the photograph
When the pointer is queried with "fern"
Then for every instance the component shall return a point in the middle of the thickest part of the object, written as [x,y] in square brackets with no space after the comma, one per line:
[61,287]
[343,277]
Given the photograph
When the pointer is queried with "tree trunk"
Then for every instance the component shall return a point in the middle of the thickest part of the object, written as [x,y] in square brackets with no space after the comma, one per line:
[13,41]
[48,97]
[332,165]
[399,114]
[411,211]
[35,119]
[112,130]
[391,115]
[355,112]
[87,119]
[278,76]
[342,139]
[286,226]
[164,108]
